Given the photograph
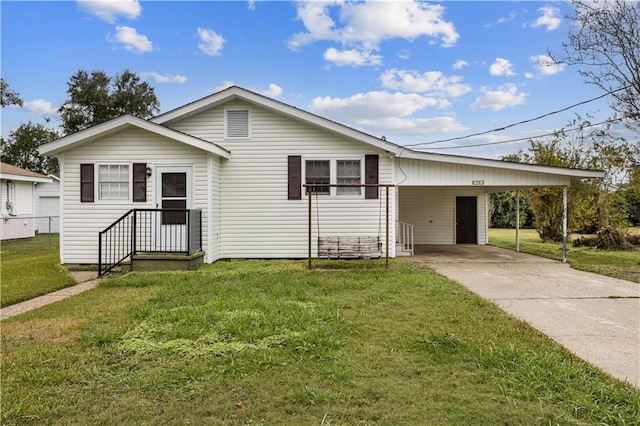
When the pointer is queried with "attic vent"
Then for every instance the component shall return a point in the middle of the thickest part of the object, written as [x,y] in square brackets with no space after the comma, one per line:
[237,123]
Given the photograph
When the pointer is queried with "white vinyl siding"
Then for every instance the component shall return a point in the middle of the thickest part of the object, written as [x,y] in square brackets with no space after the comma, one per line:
[83,221]
[258,220]
[431,173]
[19,221]
[432,212]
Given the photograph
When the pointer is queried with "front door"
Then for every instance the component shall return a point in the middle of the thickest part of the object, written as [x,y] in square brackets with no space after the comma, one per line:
[173,192]
[466,220]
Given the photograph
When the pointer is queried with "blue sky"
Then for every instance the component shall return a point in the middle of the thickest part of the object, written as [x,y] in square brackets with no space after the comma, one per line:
[415,72]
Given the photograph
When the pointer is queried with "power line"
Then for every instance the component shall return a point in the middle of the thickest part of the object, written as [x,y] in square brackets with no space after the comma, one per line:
[518,123]
[530,137]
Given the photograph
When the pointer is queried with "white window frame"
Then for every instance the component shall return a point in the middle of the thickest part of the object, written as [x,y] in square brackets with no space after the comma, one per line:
[226,123]
[97,181]
[333,175]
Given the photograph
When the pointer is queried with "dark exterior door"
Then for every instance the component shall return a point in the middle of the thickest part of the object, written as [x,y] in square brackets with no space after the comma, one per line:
[466,220]
[173,192]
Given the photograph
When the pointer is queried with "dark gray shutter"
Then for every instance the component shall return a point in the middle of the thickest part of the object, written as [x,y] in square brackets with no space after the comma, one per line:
[371,176]
[295,177]
[139,182]
[86,183]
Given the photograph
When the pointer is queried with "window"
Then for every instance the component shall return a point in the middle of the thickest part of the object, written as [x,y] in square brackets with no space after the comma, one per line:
[318,172]
[237,124]
[113,182]
[338,172]
[348,173]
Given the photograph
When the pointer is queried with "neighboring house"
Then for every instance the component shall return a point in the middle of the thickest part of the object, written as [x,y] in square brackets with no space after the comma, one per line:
[17,201]
[243,159]
[48,206]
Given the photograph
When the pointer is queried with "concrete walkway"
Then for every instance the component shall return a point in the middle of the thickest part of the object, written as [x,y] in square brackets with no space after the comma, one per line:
[595,317]
[86,280]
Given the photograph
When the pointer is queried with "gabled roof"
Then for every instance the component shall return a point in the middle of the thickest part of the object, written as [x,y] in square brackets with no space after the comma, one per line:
[76,139]
[236,92]
[10,172]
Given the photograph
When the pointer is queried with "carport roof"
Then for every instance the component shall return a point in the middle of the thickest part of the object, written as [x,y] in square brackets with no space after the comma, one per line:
[499,164]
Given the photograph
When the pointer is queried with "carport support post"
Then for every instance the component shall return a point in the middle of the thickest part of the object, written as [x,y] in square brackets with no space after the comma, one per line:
[309,226]
[517,221]
[564,224]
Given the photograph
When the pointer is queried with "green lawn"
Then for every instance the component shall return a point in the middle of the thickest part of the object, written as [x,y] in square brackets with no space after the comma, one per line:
[622,264]
[30,268]
[272,343]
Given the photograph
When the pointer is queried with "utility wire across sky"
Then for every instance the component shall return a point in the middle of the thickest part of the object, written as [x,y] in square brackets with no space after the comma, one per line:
[574,129]
[422,144]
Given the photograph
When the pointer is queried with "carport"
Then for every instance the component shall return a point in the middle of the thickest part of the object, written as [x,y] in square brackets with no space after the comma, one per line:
[595,317]
[444,199]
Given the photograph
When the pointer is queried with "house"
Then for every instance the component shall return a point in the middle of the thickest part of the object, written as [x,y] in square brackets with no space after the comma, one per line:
[241,162]
[17,201]
[48,206]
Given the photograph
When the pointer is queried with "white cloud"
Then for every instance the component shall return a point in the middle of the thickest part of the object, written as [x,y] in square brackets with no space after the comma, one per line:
[459,64]
[352,57]
[550,19]
[274,91]
[434,83]
[211,43]
[546,65]
[109,10]
[166,78]
[505,96]
[372,105]
[386,113]
[501,67]
[131,40]
[413,126]
[40,106]
[363,26]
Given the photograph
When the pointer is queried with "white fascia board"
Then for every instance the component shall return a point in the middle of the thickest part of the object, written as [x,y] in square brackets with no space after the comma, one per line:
[9,176]
[103,129]
[499,164]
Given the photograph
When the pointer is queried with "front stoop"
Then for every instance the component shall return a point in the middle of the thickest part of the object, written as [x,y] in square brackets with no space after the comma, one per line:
[166,261]
[401,252]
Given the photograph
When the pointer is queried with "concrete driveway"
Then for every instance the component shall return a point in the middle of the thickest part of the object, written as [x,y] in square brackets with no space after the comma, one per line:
[595,317]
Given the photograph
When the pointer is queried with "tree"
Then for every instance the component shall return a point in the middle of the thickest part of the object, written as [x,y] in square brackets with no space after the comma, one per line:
[95,98]
[8,96]
[631,195]
[605,45]
[21,148]
[592,202]
[503,211]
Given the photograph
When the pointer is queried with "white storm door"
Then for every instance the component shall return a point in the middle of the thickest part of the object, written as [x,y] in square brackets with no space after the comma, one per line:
[173,192]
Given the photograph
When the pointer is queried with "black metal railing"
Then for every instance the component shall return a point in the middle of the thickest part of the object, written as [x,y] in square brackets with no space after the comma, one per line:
[149,231]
